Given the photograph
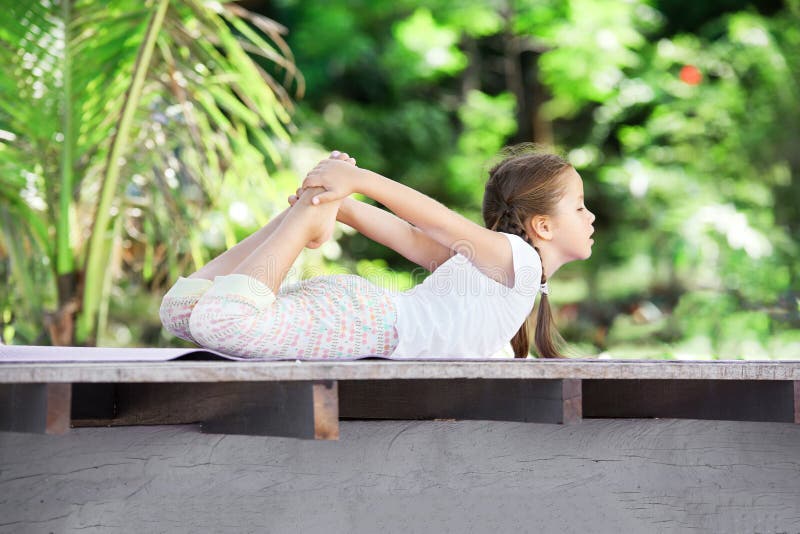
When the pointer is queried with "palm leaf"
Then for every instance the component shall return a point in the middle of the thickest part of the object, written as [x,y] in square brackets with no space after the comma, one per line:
[76,61]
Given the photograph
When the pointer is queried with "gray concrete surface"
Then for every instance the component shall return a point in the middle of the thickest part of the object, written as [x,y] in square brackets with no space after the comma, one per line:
[615,475]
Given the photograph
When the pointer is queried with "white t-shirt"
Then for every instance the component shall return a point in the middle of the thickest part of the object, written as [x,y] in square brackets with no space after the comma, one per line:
[460,312]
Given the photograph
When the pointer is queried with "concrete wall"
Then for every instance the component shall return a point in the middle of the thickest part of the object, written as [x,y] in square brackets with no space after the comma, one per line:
[618,475]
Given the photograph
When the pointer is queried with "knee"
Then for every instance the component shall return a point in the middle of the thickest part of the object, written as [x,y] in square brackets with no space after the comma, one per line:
[216,322]
[174,316]
[229,311]
[177,305]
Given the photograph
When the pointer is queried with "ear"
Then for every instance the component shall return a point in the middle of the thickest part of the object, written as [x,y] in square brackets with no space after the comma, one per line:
[540,226]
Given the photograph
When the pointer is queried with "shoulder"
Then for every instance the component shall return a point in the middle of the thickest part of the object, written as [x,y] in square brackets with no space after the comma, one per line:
[527,263]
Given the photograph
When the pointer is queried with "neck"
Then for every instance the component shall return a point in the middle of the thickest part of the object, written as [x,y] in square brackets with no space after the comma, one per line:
[551,260]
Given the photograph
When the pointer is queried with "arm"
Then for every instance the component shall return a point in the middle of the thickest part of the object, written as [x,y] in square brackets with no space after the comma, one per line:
[489,251]
[388,229]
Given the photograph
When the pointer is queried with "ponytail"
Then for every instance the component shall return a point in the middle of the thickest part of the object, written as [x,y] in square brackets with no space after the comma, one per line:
[546,338]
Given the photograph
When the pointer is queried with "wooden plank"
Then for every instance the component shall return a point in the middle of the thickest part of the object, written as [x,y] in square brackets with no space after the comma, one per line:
[744,400]
[35,408]
[541,401]
[374,369]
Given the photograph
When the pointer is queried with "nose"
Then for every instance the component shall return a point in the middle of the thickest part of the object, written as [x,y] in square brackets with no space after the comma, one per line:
[591,217]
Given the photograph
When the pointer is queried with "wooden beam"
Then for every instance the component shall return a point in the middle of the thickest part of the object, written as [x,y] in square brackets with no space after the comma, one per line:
[35,408]
[306,410]
[732,400]
[541,401]
[301,409]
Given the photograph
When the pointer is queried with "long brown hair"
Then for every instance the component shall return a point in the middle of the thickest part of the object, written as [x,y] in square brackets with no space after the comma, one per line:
[526,183]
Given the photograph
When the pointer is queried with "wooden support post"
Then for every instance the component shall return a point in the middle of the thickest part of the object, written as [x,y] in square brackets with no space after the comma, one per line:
[572,395]
[35,408]
[540,401]
[732,400]
[797,402]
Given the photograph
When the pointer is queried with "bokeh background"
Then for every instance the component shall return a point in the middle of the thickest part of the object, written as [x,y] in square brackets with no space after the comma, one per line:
[121,171]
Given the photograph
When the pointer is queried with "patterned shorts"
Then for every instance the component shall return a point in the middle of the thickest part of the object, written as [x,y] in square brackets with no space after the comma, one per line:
[325,317]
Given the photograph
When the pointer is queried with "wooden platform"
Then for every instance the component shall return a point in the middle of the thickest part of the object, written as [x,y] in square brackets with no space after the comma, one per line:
[306,399]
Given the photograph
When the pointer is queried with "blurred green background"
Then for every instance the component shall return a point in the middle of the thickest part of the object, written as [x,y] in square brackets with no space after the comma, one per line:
[683,119]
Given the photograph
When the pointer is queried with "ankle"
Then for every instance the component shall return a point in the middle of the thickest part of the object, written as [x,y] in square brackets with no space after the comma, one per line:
[308,194]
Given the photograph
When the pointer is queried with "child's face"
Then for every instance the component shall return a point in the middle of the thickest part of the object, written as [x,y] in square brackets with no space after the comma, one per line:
[572,221]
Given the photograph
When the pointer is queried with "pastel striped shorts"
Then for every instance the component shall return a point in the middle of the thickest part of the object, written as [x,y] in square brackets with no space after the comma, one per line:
[325,317]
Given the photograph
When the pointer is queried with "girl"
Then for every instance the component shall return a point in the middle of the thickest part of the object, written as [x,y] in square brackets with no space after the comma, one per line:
[480,294]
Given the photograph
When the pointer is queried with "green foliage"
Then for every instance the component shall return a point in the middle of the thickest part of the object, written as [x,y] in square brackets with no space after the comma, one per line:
[88,83]
[423,50]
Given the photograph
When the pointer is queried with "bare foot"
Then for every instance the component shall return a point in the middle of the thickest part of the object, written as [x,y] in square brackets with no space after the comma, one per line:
[327,231]
[321,218]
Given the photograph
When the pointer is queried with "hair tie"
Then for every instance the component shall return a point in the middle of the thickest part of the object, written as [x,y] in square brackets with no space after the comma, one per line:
[543,289]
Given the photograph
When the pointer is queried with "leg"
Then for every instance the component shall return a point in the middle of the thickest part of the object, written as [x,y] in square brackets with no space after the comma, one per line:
[225,262]
[302,224]
[177,305]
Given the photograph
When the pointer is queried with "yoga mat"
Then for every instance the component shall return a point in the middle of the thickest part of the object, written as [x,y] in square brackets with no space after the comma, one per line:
[49,354]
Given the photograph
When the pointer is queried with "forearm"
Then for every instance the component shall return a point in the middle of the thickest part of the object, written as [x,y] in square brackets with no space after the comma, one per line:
[393,232]
[489,251]
[436,220]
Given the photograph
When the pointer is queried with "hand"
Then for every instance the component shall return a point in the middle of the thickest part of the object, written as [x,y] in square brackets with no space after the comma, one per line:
[342,156]
[338,179]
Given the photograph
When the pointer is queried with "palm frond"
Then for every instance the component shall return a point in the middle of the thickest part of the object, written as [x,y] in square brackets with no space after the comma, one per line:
[205,104]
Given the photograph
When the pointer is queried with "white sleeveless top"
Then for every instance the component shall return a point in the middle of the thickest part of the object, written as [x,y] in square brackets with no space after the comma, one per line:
[460,312]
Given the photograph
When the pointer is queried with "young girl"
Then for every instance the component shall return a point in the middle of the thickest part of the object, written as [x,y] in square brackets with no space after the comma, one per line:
[479,296]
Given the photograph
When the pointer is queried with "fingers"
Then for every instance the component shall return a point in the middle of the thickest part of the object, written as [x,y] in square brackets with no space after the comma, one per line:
[342,156]
[296,196]
[322,198]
